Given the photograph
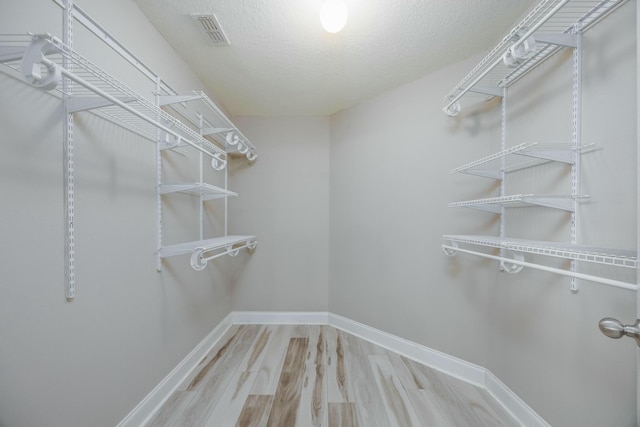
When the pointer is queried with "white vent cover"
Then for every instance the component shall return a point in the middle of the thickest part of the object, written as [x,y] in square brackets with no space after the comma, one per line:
[211,29]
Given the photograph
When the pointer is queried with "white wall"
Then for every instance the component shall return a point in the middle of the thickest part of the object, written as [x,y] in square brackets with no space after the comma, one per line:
[90,361]
[389,190]
[390,185]
[284,200]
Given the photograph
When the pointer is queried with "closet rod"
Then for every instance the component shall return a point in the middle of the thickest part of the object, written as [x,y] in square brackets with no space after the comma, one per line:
[116,101]
[498,61]
[602,280]
[199,262]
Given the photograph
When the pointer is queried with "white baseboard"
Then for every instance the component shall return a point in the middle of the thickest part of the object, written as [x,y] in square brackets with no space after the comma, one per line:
[280,317]
[143,412]
[512,402]
[450,365]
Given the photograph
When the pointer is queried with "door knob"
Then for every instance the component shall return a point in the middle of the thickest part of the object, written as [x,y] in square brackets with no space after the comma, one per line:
[613,328]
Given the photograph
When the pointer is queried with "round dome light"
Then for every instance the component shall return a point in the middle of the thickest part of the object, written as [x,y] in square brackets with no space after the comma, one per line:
[333,15]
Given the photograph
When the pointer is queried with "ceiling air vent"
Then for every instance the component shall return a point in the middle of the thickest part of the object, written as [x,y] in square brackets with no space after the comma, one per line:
[211,29]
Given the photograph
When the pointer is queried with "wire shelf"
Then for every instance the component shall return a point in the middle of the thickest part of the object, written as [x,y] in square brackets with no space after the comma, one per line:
[207,245]
[214,122]
[207,191]
[550,26]
[98,91]
[599,255]
[520,157]
[495,204]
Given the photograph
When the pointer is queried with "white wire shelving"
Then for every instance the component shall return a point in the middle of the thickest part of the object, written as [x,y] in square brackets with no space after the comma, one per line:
[592,254]
[204,190]
[495,204]
[520,157]
[203,113]
[205,250]
[549,27]
[607,256]
[49,64]
[39,59]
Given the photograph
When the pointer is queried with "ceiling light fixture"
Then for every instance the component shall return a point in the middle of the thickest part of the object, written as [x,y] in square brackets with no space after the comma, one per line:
[333,15]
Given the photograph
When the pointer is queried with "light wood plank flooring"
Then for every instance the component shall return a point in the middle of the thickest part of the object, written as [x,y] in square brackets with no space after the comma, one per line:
[316,375]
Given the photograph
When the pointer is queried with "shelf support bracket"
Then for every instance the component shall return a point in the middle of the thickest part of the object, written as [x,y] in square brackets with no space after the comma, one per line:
[211,131]
[176,99]
[487,90]
[84,104]
[558,39]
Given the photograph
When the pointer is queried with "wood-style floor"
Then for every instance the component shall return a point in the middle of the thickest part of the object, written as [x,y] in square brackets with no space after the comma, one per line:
[315,375]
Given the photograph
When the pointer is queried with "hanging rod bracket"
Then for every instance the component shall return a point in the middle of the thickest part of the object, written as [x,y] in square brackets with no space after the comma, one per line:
[198,263]
[168,141]
[452,109]
[34,60]
[512,268]
[450,250]
[218,163]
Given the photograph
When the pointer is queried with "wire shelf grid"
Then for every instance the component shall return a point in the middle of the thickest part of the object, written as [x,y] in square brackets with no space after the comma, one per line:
[495,204]
[548,17]
[207,191]
[206,245]
[520,157]
[599,255]
[198,105]
[85,98]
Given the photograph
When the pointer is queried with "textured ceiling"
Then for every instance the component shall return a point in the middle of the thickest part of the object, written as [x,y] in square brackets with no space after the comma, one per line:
[281,62]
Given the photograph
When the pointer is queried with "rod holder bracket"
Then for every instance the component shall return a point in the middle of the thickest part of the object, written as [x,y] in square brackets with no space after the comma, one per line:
[513,268]
[452,110]
[448,251]
[33,62]
[218,163]
[198,262]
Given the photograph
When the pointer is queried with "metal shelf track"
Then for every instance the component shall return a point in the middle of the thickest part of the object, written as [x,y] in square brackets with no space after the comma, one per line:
[550,26]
